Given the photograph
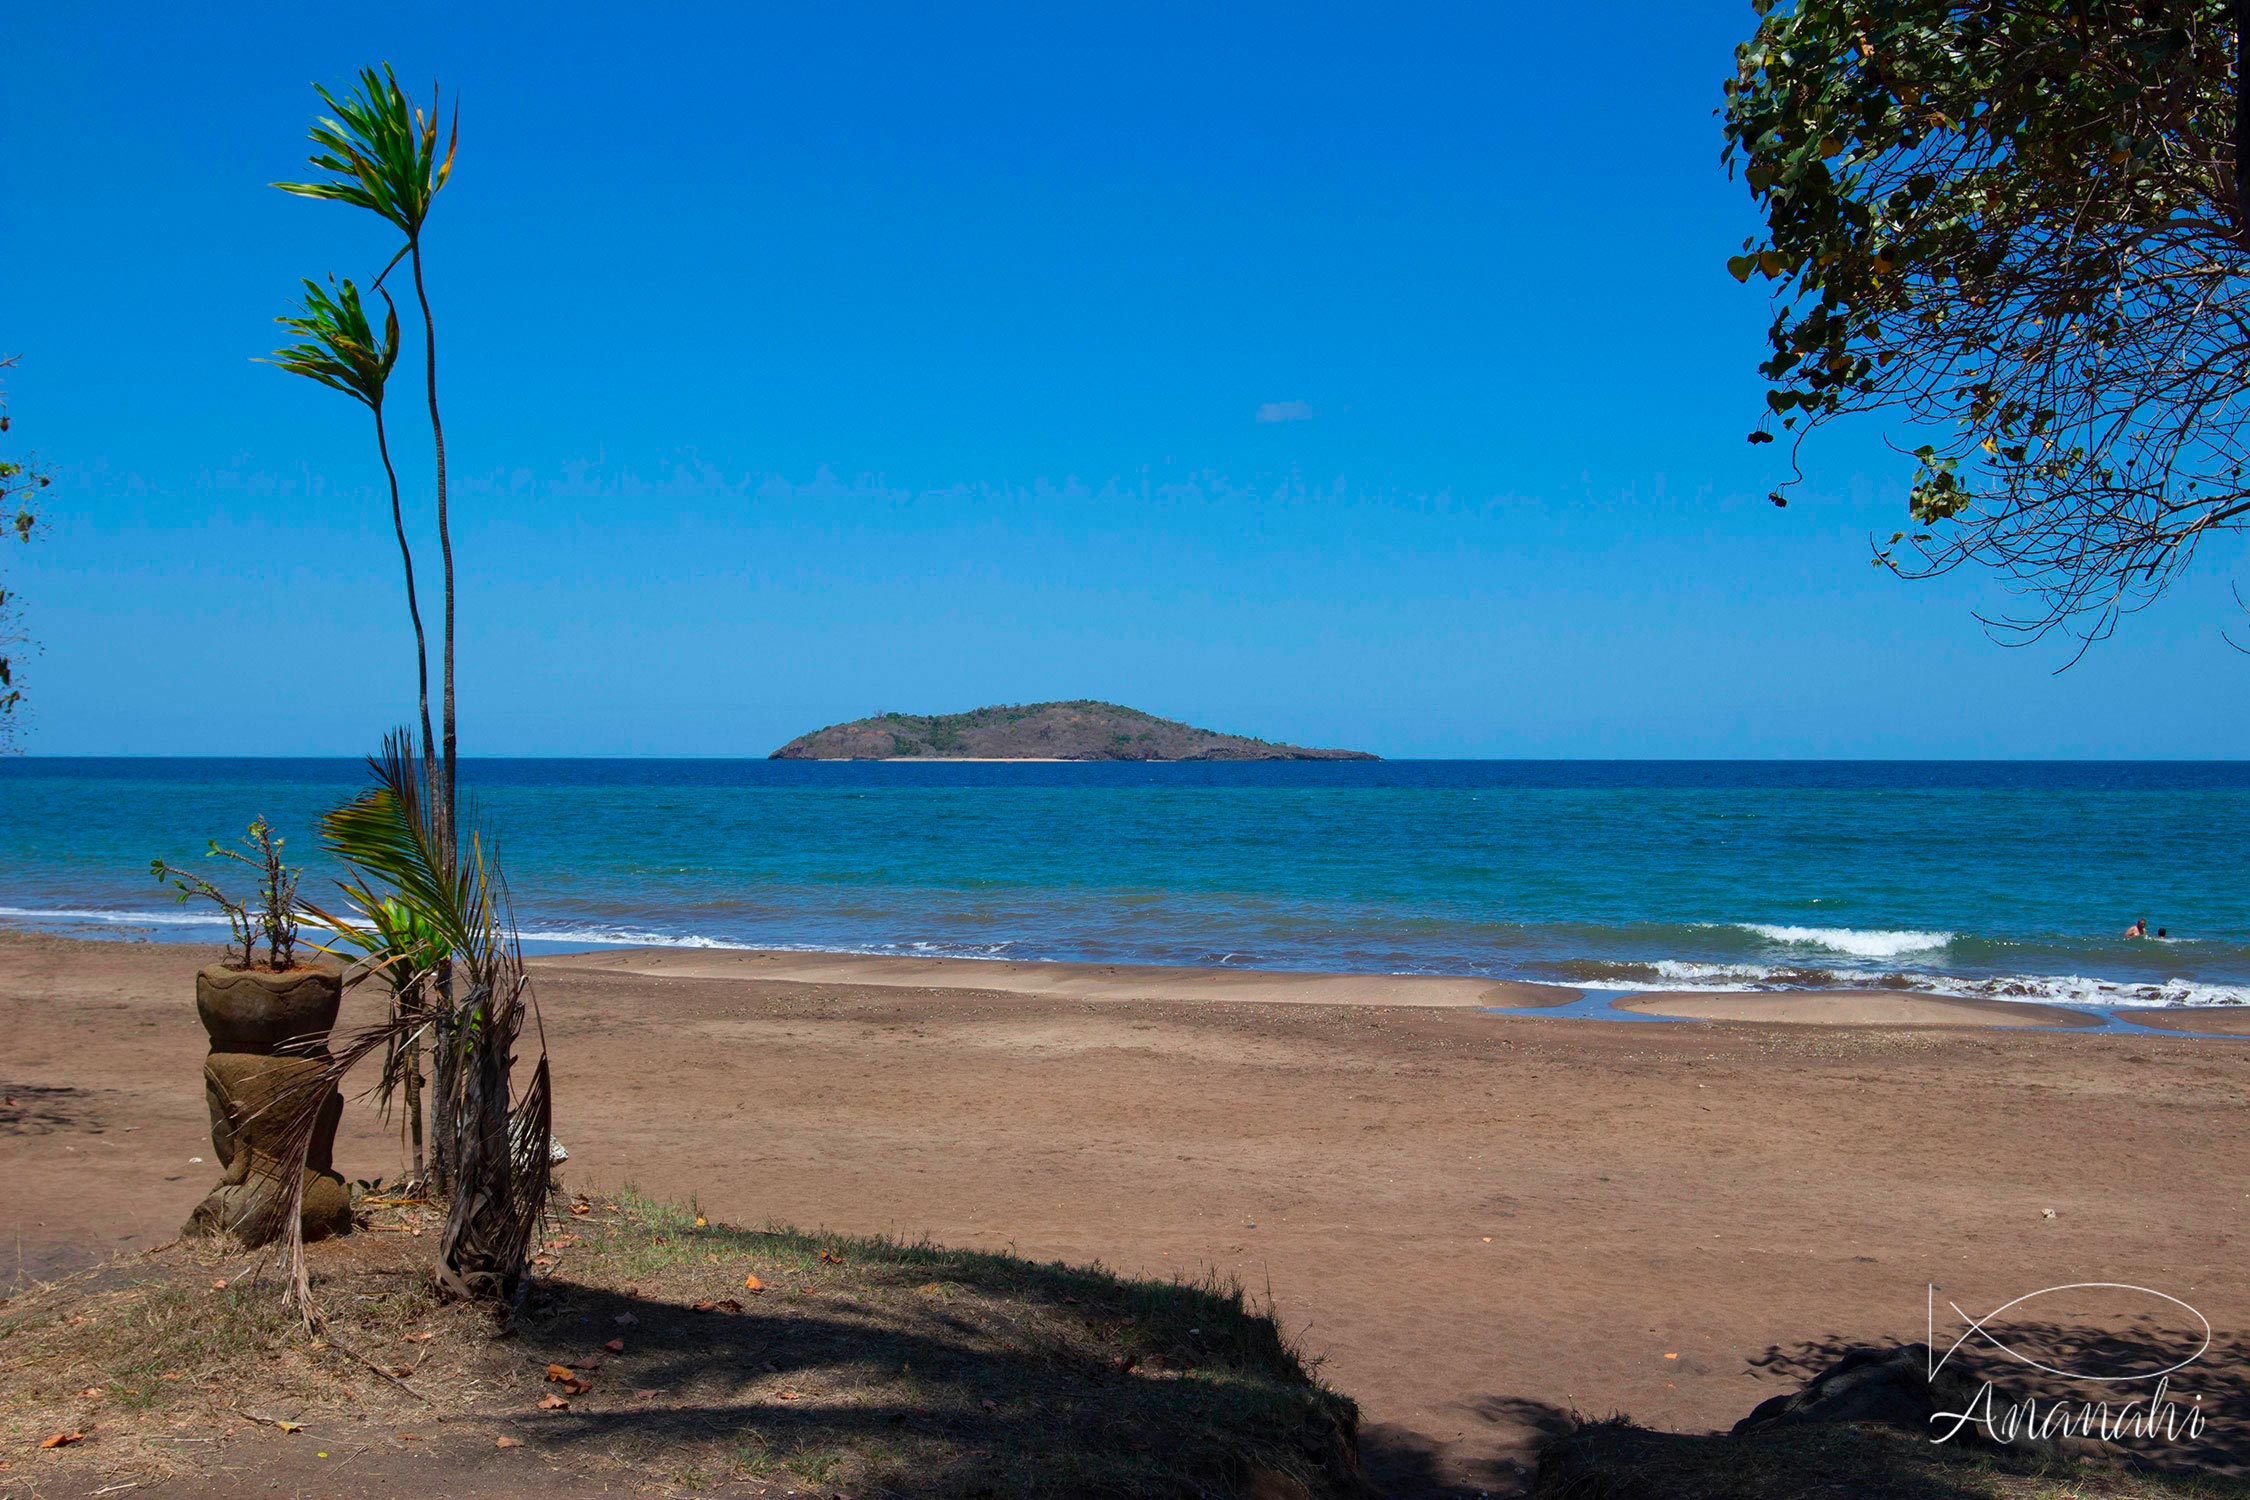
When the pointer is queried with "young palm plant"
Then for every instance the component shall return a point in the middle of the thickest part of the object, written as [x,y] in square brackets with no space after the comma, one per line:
[415,910]
[380,154]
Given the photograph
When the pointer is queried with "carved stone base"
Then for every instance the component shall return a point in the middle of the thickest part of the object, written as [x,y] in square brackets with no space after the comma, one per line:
[256,1097]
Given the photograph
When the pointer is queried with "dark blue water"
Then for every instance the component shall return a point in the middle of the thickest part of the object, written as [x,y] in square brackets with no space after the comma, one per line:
[2007,878]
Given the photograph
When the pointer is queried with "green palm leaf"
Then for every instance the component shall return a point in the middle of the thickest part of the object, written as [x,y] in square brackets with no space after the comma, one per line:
[380,152]
[340,349]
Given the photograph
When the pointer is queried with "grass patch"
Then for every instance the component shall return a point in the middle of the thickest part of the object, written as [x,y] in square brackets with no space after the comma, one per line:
[1615,1460]
[689,1356]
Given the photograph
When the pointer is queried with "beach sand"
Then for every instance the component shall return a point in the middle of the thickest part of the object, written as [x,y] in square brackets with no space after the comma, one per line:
[1069,981]
[1479,1221]
[2210,1020]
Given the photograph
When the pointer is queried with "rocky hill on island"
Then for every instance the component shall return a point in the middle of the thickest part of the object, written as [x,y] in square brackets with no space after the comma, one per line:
[1077,730]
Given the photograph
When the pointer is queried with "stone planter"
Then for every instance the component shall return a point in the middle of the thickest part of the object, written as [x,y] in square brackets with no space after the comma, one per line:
[268,1034]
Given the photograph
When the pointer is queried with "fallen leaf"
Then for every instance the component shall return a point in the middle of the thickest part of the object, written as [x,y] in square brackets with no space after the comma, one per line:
[990,1404]
[785,1395]
[752,1283]
[834,1260]
[554,1403]
[218,1286]
[624,1320]
[92,1390]
[700,1221]
[507,1442]
[290,1426]
[644,1395]
[582,1208]
[615,1346]
[560,1372]
[1671,1356]
[420,1338]
[724,1304]
[63,1439]
[541,1260]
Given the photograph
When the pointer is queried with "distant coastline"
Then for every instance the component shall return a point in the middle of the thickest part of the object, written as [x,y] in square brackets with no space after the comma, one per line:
[1079,729]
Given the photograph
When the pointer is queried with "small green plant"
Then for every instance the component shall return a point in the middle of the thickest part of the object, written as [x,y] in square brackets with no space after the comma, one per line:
[275,918]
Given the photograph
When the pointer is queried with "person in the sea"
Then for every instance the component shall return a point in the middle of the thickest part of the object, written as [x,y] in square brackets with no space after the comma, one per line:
[2139,929]
[2160,932]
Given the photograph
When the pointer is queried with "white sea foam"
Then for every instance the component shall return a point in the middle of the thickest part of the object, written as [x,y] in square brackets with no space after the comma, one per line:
[93,914]
[2050,989]
[1852,940]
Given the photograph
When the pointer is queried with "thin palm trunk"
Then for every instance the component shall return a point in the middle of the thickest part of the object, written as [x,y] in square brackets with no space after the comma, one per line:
[446,798]
[429,756]
[450,1125]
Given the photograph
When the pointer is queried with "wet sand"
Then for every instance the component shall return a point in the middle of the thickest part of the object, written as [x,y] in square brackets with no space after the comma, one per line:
[1478,1221]
[1853,1008]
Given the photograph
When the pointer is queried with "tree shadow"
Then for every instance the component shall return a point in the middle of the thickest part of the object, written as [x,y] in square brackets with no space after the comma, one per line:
[2215,1386]
[28,1109]
[951,1393]
[1496,1461]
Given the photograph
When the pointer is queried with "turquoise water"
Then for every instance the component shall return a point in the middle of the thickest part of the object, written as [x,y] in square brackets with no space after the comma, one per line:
[2001,878]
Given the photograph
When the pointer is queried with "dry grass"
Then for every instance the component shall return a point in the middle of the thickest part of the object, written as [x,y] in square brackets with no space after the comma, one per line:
[863,1366]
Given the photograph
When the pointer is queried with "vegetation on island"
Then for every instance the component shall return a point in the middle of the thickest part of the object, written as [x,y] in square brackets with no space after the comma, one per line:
[1076,729]
[2021,226]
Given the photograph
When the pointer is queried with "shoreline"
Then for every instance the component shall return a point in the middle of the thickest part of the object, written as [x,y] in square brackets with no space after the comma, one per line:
[1191,983]
[1472,1218]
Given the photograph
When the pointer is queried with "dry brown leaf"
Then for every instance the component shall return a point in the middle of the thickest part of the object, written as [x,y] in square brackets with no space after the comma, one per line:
[724,1304]
[64,1439]
[92,1390]
[752,1283]
[507,1442]
[554,1403]
[788,1395]
[218,1286]
[615,1346]
[420,1338]
[560,1372]
[834,1260]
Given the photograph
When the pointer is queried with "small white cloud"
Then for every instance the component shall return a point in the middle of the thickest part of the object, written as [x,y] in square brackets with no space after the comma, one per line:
[1285,411]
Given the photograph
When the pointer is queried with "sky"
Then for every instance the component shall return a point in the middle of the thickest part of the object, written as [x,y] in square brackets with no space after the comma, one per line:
[1362,376]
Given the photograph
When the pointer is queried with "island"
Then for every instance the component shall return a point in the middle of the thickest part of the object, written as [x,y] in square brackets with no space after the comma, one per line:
[1080,729]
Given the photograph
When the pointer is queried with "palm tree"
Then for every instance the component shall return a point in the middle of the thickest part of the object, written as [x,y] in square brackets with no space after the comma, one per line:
[380,152]
[341,351]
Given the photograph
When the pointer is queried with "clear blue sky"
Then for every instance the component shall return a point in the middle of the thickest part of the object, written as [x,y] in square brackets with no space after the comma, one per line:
[803,362]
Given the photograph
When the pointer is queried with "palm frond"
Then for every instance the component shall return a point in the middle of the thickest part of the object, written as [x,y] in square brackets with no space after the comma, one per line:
[380,152]
[341,349]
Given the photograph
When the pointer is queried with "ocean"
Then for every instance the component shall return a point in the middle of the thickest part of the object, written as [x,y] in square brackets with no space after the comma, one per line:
[2006,879]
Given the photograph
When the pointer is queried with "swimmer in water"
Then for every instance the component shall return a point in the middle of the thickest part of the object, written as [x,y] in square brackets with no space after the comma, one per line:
[2139,929]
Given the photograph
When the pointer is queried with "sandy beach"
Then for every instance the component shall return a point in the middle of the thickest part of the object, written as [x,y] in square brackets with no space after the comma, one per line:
[1478,1221]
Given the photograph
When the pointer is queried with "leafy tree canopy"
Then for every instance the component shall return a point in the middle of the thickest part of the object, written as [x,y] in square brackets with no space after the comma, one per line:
[2016,222]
